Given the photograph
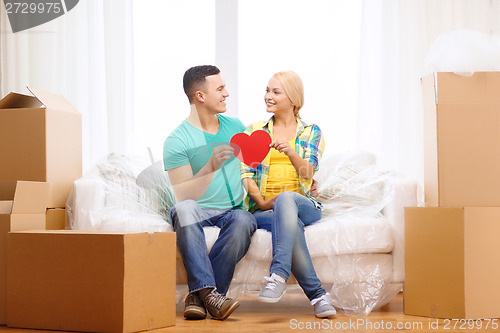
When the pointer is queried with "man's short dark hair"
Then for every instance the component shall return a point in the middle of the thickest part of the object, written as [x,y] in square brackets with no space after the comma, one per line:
[194,78]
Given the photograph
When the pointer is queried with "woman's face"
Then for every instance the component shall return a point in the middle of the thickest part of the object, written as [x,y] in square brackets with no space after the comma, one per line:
[276,99]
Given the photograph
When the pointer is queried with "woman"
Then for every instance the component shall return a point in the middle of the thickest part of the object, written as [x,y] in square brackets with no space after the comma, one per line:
[278,191]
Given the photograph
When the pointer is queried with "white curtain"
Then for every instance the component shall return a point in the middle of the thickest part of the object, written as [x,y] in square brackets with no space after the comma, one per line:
[85,55]
[396,36]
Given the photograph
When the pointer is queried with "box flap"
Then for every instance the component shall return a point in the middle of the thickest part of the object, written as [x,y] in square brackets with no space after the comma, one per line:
[53,101]
[480,88]
[6,207]
[30,198]
[7,191]
[15,101]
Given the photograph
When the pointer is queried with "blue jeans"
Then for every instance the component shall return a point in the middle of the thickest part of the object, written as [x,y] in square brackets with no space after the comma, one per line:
[290,214]
[214,269]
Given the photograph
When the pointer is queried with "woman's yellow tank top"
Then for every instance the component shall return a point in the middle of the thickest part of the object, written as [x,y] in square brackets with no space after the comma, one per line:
[282,175]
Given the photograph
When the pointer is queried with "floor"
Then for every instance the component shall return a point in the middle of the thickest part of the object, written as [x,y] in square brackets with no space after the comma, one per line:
[294,313]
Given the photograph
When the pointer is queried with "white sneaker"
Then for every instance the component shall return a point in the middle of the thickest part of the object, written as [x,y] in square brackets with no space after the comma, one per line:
[274,290]
[322,307]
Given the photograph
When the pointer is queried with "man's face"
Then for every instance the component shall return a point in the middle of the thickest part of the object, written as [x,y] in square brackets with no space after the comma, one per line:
[215,93]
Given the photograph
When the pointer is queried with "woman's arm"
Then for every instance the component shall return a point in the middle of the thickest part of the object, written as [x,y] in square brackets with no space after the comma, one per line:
[304,168]
[307,166]
[254,193]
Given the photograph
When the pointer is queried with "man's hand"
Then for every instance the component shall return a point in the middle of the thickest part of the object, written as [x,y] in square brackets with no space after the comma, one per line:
[314,191]
[219,155]
[268,204]
[189,186]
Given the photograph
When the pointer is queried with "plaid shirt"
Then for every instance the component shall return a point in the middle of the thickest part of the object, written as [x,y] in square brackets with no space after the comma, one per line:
[309,144]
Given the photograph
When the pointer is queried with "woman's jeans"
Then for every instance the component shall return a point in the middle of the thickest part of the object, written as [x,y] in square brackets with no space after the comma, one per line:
[214,269]
[290,214]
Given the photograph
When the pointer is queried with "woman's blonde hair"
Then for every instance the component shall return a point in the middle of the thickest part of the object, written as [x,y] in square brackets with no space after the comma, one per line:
[292,85]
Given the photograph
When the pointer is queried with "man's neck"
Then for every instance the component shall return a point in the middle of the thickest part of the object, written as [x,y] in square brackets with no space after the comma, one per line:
[203,120]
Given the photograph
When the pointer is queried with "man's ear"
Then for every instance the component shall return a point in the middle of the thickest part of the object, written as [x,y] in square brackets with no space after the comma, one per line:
[199,96]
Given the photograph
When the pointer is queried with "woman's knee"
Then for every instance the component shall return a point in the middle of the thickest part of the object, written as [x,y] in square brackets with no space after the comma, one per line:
[287,197]
[287,201]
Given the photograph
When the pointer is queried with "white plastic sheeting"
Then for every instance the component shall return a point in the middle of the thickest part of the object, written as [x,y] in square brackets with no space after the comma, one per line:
[356,248]
[121,194]
[464,52]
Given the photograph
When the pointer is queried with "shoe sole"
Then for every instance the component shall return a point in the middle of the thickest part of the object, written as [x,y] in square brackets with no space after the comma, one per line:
[194,314]
[229,311]
[326,314]
[270,300]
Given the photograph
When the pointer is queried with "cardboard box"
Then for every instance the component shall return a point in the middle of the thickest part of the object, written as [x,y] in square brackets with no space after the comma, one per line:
[91,281]
[462,139]
[55,219]
[452,262]
[24,210]
[42,141]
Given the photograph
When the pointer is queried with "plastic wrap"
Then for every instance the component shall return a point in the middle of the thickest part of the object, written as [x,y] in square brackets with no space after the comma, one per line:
[357,247]
[464,52]
[121,194]
[353,182]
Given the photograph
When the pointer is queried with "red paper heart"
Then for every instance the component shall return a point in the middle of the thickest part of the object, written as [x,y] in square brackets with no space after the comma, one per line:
[252,149]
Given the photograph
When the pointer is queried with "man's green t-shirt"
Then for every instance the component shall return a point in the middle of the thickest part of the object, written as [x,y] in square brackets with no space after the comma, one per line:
[190,145]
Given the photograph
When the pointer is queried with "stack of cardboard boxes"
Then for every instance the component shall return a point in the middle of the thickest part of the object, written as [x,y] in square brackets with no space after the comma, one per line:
[65,279]
[452,247]
[41,151]
[24,209]
[41,138]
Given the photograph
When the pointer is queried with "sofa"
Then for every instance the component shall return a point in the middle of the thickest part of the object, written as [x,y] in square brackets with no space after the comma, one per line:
[357,248]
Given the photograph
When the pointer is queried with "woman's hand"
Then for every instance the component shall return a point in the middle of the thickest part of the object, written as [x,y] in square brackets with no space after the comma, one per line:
[314,190]
[267,204]
[283,146]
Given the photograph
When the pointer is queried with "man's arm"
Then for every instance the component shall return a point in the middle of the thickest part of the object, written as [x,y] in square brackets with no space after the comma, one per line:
[186,186]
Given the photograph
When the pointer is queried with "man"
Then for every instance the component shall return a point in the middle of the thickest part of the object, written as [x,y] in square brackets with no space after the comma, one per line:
[205,177]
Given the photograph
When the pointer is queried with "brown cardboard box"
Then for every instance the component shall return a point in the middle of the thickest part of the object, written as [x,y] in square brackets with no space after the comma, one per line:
[25,210]
[55,219]
[91,281]
[42,136]
[462,139]
[452,262]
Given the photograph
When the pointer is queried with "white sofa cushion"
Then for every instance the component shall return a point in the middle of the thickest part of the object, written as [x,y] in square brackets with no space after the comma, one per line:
[349,234]
[335,235]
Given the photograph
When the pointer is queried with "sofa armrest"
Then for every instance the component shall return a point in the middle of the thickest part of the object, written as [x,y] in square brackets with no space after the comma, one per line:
[407,193]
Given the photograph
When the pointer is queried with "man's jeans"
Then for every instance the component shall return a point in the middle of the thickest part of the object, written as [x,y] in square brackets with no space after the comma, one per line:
[214,269]
[290,214]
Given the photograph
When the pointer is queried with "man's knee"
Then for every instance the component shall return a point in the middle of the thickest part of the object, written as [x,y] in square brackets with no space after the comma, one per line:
[184,213]
[244,221]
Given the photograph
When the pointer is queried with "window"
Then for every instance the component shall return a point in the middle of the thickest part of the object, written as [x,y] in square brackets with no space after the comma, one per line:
[169,37]
[318,39]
